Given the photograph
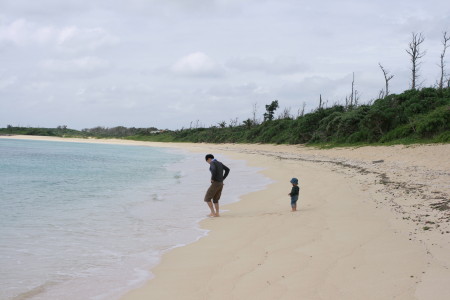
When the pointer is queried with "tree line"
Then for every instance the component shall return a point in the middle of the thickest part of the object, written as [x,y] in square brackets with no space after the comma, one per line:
[412,116]
[63,131]
[119,131]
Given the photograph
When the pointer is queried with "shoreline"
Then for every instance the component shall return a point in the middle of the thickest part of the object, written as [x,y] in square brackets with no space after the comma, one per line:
[194,162]
[359,232]
[348,241]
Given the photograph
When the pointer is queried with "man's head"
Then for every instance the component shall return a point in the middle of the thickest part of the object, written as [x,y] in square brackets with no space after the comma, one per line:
[209,158]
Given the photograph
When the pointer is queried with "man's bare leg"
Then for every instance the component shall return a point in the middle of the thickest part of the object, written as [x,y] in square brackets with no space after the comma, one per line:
[216,205]
[211,207]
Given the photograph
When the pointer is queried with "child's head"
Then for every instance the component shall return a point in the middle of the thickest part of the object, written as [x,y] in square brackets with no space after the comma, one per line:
[294,181]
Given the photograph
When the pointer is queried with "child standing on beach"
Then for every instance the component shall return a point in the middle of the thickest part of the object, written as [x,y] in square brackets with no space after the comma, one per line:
[294,193]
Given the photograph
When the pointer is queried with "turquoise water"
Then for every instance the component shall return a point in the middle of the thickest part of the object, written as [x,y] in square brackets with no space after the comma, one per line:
[88,221]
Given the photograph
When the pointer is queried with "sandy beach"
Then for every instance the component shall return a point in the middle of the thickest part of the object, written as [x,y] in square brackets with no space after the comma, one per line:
[373,223]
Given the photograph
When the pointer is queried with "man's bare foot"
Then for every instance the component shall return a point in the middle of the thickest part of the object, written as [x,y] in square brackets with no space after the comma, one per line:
[216,215]
[211,215]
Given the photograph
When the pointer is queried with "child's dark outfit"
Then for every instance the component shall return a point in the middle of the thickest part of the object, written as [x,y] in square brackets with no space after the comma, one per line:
[294,194]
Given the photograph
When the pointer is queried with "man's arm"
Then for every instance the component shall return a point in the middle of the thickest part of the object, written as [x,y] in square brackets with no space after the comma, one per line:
[227,171]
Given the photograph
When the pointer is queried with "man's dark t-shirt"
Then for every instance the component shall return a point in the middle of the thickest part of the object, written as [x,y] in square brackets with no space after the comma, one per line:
[217,171]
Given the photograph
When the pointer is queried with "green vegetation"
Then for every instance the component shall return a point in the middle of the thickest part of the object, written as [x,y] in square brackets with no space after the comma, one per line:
[119,132]
[59,131]
[415,116]
[97,132]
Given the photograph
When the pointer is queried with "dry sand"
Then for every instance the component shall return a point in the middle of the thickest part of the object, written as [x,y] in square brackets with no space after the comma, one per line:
[373,223]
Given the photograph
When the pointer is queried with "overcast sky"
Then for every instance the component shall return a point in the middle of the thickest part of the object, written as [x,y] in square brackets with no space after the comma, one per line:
[167,63]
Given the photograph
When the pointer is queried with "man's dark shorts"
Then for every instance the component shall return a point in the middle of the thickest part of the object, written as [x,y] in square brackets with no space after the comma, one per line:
[214,192]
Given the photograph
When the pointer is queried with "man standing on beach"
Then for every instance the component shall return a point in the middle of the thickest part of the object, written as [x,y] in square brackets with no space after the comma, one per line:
[215,190]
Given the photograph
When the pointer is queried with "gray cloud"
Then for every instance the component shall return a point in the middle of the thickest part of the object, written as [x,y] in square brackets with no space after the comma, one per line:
[279,65]
[7,82]
[167,63]
[22,33]
[85,65]
[197,64]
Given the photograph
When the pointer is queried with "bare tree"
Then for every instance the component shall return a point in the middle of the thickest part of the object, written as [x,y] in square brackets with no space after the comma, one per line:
[233,122]
[301,112]
[352,99]
[286,114]
[352,95]
[197,125]
[445,43]
[254,112]
[320,101]
[387,77]
[356,99]
[416,54]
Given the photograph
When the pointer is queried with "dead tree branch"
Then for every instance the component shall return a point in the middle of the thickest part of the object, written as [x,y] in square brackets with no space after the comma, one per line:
[387,77]
[446,44]
[416,54]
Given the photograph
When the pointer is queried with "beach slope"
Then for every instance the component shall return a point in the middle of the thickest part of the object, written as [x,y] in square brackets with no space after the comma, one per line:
[368,227]
[373,223]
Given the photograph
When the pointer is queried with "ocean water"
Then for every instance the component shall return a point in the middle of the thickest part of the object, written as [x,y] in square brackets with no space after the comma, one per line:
[88,221]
